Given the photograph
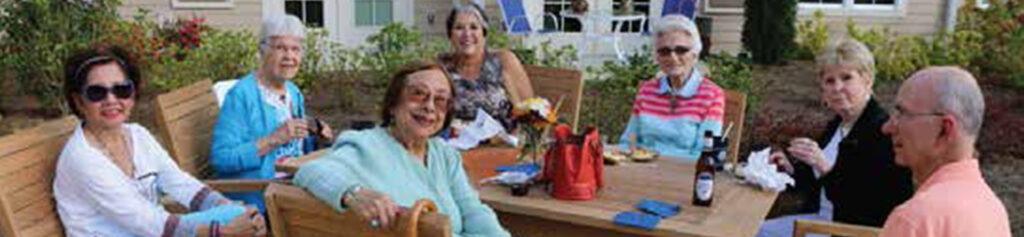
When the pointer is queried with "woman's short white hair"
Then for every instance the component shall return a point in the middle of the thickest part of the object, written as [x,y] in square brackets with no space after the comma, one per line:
[676,22]
[278,25]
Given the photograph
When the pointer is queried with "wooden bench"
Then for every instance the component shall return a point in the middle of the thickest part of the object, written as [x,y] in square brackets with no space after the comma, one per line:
[27,162]
[556,83]
[294,212]
[803,227]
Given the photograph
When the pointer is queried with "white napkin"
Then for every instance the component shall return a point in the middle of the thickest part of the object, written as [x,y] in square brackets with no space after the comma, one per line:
[759,171]
[482,128]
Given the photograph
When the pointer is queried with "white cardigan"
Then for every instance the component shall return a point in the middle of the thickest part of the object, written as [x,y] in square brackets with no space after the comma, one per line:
[95,198]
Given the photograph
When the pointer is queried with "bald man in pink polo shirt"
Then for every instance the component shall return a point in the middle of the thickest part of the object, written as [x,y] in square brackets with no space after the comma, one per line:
[934,125]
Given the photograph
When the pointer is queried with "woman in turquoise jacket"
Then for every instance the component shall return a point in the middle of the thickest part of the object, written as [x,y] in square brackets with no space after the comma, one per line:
[372,172]
[262,120]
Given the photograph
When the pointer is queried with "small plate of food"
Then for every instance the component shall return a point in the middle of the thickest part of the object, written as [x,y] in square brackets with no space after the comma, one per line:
[643,155]
[614,156]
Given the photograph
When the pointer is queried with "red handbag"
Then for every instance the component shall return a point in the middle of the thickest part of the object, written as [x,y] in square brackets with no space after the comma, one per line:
[573,164]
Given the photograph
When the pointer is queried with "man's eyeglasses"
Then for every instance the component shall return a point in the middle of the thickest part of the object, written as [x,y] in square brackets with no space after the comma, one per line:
[667,51]
[97,93]
[898,113]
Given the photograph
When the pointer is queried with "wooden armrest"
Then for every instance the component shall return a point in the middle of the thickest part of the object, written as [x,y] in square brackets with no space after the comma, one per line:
[804,227]
[240,185]
[292,210]
[292,165]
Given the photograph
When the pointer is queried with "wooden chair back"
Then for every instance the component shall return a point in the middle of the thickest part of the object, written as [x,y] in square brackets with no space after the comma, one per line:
[555,83]
[803,227]
[27,162]
[184,120]
[735,111]
[294,212]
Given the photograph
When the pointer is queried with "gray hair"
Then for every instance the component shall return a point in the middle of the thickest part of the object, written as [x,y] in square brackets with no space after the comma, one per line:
[958,94]
[278,25]
[676,22]
[848,51]
[469,7]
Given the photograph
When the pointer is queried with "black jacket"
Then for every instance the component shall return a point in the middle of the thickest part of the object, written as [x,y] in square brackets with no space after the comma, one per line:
[865,184]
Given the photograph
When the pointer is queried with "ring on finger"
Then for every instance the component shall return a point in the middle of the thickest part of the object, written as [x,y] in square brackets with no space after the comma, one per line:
[374,223]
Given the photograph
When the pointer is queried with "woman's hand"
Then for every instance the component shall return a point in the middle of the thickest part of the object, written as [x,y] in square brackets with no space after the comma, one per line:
[808,151]
[779,159]
[373,206]
[326,133]
[249,223]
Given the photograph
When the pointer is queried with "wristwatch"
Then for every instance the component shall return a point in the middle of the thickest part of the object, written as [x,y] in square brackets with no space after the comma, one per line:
[350,193]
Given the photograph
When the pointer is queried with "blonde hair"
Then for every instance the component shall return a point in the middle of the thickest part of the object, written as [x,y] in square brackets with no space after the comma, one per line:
[848,51]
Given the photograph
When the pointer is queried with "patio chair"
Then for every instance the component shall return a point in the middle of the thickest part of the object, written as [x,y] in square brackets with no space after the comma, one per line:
[681,7]
[559,83]
[184,119]
[803,227]
[735,111]
[517,22]
[294,212]
[27,162]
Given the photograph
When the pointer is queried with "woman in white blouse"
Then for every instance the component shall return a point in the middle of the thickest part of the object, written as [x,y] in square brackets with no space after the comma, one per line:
[110,175]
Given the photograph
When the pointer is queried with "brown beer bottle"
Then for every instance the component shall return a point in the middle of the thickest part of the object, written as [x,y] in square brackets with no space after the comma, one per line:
[704,174]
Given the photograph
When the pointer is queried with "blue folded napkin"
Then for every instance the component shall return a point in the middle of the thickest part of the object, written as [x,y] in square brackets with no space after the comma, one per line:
[659,208]
[527,168]
[636,219]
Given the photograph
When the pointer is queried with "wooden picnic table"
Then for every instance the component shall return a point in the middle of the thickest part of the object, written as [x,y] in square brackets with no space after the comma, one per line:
[738,209]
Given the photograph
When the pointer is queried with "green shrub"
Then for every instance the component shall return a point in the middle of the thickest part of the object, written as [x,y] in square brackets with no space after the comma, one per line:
[811,36]
[769,29]
[224,54]
[36,36]
[733,73]
[1001,29]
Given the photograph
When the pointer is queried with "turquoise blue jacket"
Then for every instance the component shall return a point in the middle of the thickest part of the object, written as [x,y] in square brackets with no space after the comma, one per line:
[244,118]
[373,159]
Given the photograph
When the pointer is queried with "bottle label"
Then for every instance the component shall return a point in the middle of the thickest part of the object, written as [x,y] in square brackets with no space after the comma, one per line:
[705,186]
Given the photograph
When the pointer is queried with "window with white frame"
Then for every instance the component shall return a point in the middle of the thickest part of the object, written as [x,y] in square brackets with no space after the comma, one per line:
[556,7]
[854,4]
[374,12]
[642,7]
[311,12]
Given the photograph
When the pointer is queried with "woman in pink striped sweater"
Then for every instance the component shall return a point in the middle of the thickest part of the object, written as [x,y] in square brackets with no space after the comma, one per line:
[672,111]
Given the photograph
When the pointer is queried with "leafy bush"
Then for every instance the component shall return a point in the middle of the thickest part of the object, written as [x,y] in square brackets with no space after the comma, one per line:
[36,36]
[733,73]
[811,36]
[768,30]
[1001,28]
[224,54]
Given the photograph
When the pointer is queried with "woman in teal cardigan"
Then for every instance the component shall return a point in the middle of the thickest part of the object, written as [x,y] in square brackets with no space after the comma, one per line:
[263,118]
[374,171]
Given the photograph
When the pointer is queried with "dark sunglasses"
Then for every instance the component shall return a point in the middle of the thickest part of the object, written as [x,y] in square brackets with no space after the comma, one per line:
[97,93]
[666,51]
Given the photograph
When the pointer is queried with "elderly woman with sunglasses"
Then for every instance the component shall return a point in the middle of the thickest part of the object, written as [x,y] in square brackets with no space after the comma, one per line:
[111,174]
[262,121]
[848,174]
[672,111]
[373,172]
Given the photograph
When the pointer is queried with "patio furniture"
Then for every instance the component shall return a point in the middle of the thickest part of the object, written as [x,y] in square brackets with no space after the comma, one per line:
[596,23]
[27,162]
[803,227]
[559,83]
[184,119]
[738,209]
[735,111]
[682,7]
[294,212]
[517,22]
